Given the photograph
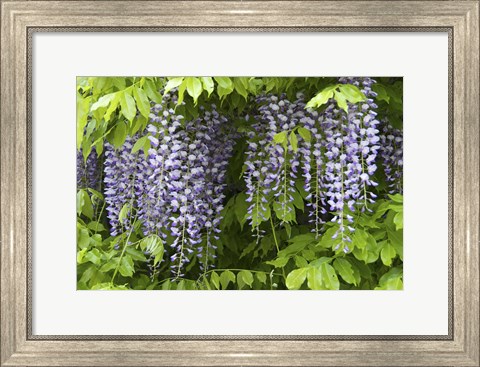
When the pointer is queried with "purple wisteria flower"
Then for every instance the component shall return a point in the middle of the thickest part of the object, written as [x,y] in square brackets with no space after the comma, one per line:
[271,169]
[88,172]
[120,168]
[345,147]
[391,153]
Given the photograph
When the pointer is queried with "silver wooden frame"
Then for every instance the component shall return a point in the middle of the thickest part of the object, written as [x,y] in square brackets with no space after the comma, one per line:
[20,19]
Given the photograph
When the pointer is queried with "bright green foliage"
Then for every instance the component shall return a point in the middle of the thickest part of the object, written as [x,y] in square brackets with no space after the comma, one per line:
[288,256]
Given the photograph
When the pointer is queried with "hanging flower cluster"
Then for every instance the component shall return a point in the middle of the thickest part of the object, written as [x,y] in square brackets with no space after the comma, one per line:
[120,171]
[351,146]
[176,188]
[391,153]
[337,162]
[88,172]
[271,167]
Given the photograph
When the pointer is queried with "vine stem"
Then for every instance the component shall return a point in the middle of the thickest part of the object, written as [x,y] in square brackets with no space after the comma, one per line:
[276,243]
[99,217]
[129,234]
[184,226]
[123,251]
[274,235]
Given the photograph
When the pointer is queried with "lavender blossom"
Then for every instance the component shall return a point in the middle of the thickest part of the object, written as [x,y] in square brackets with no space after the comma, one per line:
[391,153]
[88,172]
[120,167]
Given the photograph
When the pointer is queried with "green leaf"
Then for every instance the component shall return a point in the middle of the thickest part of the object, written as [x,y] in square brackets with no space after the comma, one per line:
[329,276]
[139,144]
[288,229]
[240,208]
[83,239]
[139,124]
[381,92]
[297,200]
[84,204]
[135,254]
[93,256]
[280,138]
[260,215]
[96,240]
[262,277]
[392,280]
[142,101]
[166,285]
[294,141]
[314,278]
[300,262]
[96,226]
[345,269]
[215,280]
[194,88]
[305,134]
[207,84]
[322,97]
[308,255]
[172,83]
[126,267]
[80,255]
[152,91]
[222,92]
[303,239]
[341,101]
[226,277]
[97,195]
[80,201]
[103,102]
[279,262]
[92,275]
[326,240]
[224,87]
[181,92]
[158,253]
[119,134]
[82,116]
[387,254]
[111,265]
[244,278]
[113,106]
[120,82]
[124,212]
[398,220]
[296,278]
[224,82]
[241,86]
[398,198]
[395,237]
[318,262]
[127,103]
[352,93]
[284,211]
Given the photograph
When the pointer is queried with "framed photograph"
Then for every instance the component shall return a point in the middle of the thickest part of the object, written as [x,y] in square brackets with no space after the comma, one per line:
[240,183]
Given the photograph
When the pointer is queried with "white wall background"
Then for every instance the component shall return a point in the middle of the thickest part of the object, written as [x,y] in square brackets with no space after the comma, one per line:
[420,309]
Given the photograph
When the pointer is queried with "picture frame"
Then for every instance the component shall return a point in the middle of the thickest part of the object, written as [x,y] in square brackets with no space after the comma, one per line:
[20,19]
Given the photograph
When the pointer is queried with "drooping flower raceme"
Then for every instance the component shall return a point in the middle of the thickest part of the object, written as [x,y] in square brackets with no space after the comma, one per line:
[88,172]
[152,172]
[196,173]
[272,165]
[120,168]
[391,153]
[344,154]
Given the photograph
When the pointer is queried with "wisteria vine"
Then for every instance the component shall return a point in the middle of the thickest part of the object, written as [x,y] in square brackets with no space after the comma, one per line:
[174,186]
